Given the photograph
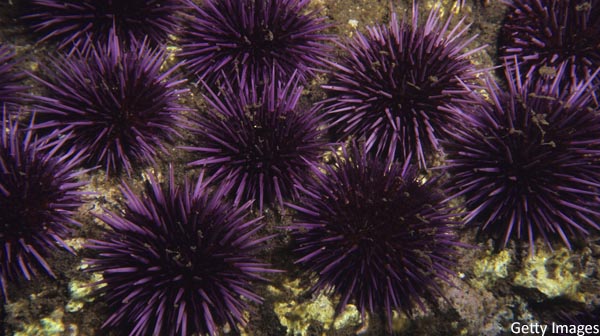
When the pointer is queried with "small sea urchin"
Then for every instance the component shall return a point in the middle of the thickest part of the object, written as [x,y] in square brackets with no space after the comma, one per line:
[251,37]
[72,22]
[528,161]
[114,101]
[392,85]
[374,233]
[178,261]
[38,197]
[545,33]
[260,136]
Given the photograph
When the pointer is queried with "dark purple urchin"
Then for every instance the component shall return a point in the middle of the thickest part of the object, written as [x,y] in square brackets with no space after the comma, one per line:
[570,319]
[10,77]
[549,32]
[374,233]
[38,197]
[527,161]
[259,136]
[250,37]
[392,84]
[117,104]
[578,320]
[73,21]
[179,261]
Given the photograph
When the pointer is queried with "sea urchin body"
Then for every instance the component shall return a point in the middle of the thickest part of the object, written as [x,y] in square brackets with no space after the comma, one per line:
[38,197]
[114,101]
[250,37]
[178,261]
[546,33]
[374,234]
[528,161]
[260,136]
[392,85]
[72,22]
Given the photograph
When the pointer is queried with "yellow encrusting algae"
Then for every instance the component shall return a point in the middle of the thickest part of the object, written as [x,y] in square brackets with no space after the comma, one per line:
[297,317]
[51,325]
[552,273]
[491,267]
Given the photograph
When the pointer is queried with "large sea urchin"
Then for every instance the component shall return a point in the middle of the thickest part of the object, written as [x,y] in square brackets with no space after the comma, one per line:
[178,261]
[74,21]
[250,37]
[374,233]
[116,102]
[549,32]
[391,85]
[528,162]
[259,136]
[38,196]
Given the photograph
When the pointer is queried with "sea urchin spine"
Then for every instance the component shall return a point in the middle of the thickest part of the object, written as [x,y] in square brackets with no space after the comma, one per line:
[10,78]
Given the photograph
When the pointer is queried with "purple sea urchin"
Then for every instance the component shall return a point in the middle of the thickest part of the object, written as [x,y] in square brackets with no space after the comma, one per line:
[9,77]
[115,102]
[251,37]
[374,233]
[577,322]
[527,162]
[549,32]
[391,84]
[38,197]
[259,136]
[74,21]
[178,261]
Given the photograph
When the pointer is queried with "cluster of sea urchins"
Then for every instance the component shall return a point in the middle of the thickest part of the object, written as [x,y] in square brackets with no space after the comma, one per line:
[181,258]
[526,159]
